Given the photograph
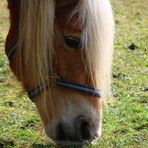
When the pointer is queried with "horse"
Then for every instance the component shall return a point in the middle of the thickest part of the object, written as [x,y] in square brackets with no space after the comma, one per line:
[61,52]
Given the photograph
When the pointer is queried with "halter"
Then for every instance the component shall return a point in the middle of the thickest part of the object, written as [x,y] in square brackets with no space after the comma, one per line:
[57,82]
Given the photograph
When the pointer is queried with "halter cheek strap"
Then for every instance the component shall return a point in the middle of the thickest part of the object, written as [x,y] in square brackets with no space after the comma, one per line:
[58,82]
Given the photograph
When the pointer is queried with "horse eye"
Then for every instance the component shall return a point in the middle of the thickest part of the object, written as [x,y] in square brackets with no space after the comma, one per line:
[72,42]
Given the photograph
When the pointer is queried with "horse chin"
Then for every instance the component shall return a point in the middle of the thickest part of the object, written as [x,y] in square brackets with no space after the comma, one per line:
[76,125]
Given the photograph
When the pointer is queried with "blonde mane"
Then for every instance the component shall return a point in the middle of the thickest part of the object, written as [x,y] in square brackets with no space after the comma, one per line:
[36,35]
[97,40]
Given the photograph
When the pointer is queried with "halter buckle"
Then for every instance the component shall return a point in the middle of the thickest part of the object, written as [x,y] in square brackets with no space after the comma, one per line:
[53,78]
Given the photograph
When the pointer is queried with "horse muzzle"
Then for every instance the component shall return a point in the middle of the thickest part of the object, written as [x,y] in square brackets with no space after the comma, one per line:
[81,129]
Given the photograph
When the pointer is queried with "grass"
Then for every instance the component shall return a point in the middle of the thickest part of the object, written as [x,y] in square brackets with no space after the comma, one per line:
[125,122]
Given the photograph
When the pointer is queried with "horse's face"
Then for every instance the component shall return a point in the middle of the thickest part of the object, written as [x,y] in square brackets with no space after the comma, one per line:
[67,114]
[76,115]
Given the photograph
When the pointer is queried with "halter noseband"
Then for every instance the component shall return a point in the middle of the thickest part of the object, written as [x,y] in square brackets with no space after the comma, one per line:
[57,82]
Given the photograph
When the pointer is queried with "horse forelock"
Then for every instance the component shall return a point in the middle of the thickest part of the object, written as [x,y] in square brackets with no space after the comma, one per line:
[97,40]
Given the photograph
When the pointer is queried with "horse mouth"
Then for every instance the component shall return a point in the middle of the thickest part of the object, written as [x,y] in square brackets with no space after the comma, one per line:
[69,143]
[78,144]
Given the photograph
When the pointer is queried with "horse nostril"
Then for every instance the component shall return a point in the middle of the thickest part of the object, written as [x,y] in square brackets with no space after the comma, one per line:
[85,131]
[60,133]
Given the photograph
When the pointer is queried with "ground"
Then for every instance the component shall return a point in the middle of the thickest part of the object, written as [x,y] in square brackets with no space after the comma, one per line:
[125,122]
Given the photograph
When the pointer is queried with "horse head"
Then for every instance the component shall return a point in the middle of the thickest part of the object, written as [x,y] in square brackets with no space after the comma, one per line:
[61,51]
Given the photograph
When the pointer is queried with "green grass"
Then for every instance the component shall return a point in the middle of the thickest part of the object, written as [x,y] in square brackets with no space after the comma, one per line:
[125,122]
